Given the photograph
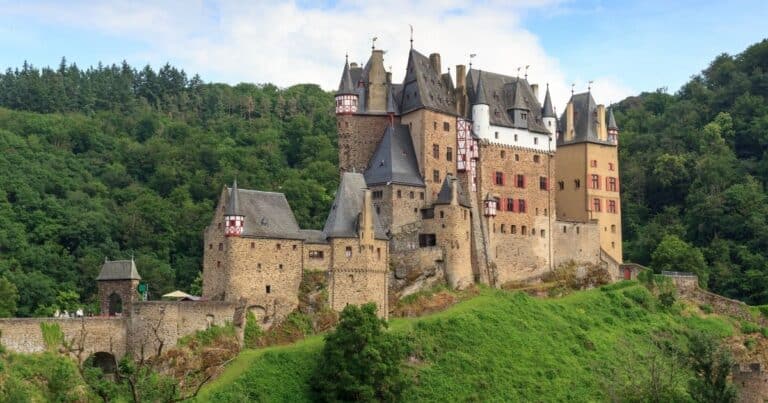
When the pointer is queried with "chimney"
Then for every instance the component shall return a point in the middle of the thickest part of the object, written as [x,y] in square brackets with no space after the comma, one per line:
[389,77]
[454,191]
[434,60]
[569,129]
[461,89]
[602,130]
[461,75]
[365,229]
[377,83]
[535,89]
[353,65]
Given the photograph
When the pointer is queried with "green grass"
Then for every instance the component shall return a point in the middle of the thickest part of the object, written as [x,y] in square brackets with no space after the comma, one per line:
[498,346]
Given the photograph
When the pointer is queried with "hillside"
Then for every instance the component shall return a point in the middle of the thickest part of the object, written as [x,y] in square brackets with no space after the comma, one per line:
[502,346]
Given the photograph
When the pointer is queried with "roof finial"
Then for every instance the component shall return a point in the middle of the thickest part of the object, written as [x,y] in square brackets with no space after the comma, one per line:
[373,42]
[132,256]
[518,72]
[526,70]
[471,56]
[411,35]
[346,58]
[573,85]
[589,86]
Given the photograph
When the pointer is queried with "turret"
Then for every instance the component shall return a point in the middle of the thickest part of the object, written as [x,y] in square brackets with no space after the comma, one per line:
[481,117]
[490,206]
[613,129]
[519,110]
[346,96]
[234,221]
[377,83]
[548,113]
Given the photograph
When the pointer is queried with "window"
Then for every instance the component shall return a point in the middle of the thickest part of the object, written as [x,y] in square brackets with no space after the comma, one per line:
[449,154]
[542,232]
[210,246]
[524,116]
[411,195]
[515,137]
[611,167]
[421,195]
[596,204]
[520,181]
[378,210]
[258,266]
[269,289]
[536,159]
[280,266]
[611,184]
[446,126]
[218,263]
[294,247]
[543,183]
[348,251]
[496,135]
[521,206]
[577,183]
[436,151]
[577,230]
[513,229]
[377,194]
[511,205]
[434,125]
[561,185]
[253,245]
[277,246]
[316,254]
[503,229]
[427,213]
[399,194]
[593,163]
[426,240]
[595,181]
[613,228]
[499,178]
[442,214]
[524,230]
[221,246]
[436,175]
[503,154]
[565,229]
[612,208]
[517,157]
[378,253]
[535,140]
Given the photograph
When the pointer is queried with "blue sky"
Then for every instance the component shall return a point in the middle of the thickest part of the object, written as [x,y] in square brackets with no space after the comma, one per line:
[625,47]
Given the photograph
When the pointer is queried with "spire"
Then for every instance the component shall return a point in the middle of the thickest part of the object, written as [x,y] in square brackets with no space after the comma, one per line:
[345,84]
[611,120]
[391,110]
[233,208]
[547,111]
[480,93]
[519,98]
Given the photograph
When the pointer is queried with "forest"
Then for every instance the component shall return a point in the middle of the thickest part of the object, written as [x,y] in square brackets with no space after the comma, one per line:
[114,161]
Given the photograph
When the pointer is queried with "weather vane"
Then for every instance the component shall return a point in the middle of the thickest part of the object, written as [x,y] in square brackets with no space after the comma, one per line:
[471,56]
[573,85]
[589,86]
[373,42]
[411,35]
[518,72]
[526,70]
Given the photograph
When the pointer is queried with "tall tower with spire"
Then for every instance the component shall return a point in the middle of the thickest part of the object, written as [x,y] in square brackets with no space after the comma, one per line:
[346,96]
[548,113]
[234,220]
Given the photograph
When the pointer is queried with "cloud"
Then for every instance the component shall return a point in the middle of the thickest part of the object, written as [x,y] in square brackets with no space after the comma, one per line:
[288,43]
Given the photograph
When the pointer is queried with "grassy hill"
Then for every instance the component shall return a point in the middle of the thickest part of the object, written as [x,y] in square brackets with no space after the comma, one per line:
[502,346]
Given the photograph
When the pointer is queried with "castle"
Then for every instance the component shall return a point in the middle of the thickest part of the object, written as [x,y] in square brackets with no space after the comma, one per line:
[475,180]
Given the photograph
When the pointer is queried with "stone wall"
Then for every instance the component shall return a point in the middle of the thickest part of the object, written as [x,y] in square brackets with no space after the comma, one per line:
[451,226]
[414,270]
[312,261]
[155,322]
[577,241]
[751,382]
[214,273]
[359,135]
[359,274]
[23,335]
[125,289]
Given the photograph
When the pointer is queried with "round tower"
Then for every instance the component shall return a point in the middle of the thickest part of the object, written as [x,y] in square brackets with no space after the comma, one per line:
[234,221]
[346,96]
[613,129]
[481,117]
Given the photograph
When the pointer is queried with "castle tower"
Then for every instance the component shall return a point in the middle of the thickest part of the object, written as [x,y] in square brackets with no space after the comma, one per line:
[359,267]
[452,229]
[481,125]
[234,221]
[346,96]
[548,113]
[117,283]
[376,82]
[587,168]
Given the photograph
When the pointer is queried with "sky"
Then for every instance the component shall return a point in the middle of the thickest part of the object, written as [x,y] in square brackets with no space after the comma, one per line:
[623,47]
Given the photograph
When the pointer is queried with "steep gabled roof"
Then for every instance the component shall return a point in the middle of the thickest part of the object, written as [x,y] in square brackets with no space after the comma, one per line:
[424,88]
[547,111]
[584,120]
[345,85]
[345,212]
[446,192]
[118,270]
[233,205]
[502,93]
[391,104]
[394,160]
[612,120]
[267,214]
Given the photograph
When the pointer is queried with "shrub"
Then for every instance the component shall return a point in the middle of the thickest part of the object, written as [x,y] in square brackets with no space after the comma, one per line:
[706,308]
[640,296]
[763,310]
[52,335]
[252,331]
[667,299]
[749,327]
[750,343]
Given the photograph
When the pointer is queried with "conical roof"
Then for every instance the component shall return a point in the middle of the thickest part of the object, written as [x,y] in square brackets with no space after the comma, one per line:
[345,85]
[519,102]
[446,192]
[391,105]
[343,219]
[611,120]
[480,98]
[233,207]
[547,111]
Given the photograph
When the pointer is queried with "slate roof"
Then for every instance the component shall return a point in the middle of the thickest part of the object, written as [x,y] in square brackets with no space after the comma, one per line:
[391,104]
[118,270]
[423,87]
[267,215]
[584,120]
[612,120]
[313,236]
[394,160]
[346,86]
[503,94]
[547,111]
[343,219]
[233,206]
[444,197]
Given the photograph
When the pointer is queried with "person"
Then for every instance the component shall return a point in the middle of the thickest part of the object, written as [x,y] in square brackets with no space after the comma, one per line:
[79,312]
[56,314]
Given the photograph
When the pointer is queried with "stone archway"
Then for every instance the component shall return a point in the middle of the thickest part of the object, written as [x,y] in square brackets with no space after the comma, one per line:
[259,313]
[104,361]
[115,304]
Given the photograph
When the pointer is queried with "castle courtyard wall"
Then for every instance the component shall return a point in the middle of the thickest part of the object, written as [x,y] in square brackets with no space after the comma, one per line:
[577,241]
[24,335]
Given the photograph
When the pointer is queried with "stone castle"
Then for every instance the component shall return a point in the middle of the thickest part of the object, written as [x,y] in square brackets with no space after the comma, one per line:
[473,181]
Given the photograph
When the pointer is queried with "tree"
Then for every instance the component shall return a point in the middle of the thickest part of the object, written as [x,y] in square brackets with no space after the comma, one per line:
[9,296]
[712,365]
[360,361]
[674,254]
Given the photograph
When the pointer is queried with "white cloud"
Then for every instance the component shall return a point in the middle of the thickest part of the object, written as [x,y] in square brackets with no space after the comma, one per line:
[243,41]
